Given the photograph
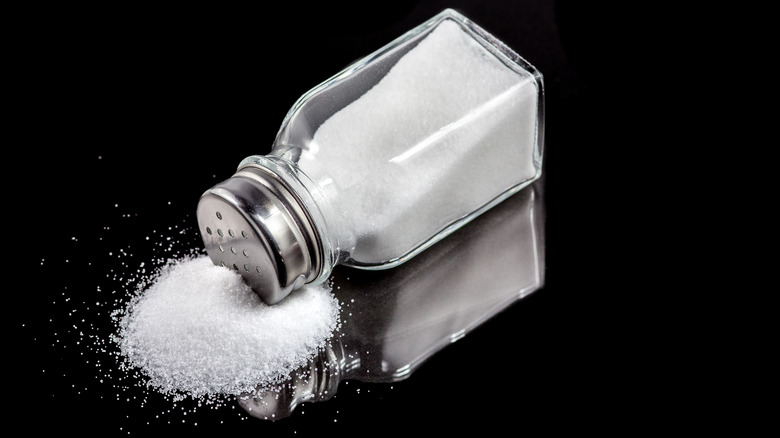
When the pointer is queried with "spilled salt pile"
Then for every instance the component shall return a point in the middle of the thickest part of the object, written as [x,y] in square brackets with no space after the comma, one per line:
[199,330]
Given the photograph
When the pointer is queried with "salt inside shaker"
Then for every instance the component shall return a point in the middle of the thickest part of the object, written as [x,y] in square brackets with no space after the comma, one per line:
[382,160]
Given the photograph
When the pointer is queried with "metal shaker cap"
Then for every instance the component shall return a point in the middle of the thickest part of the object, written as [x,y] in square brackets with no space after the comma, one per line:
[253,223]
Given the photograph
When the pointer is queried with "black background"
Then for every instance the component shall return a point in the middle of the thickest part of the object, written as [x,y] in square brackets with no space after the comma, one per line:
[122,117]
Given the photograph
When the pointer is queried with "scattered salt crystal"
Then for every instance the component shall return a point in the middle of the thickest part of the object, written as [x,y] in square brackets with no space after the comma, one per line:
[199,330]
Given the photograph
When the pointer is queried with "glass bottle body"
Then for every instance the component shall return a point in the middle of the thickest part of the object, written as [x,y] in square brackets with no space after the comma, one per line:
[410,143]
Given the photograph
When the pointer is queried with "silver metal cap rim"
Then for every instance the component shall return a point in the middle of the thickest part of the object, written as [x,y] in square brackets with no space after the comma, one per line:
[253,223]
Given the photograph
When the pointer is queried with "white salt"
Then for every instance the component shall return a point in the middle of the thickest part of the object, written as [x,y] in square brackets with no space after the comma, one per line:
[446,130]
[199,330]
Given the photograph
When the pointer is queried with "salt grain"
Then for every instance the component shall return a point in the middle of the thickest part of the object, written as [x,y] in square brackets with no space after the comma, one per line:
[199,330]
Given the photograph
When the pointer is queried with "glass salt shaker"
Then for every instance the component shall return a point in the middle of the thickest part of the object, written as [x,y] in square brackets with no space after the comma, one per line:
[393,321]
[382,160]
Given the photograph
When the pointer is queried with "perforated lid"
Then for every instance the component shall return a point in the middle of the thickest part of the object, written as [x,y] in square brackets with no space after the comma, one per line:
[253,223]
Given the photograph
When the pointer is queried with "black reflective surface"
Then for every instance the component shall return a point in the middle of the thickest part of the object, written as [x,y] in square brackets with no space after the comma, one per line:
[124,118]
[392,321]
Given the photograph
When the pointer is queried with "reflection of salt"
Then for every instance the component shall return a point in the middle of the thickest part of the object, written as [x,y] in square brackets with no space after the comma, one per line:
[199,330]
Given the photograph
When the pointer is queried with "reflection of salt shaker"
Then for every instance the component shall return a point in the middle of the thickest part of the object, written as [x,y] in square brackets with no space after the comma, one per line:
[382,160]
[395,320]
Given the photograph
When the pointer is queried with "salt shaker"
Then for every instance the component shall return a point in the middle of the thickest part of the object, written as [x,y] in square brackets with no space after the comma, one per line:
[382,160]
